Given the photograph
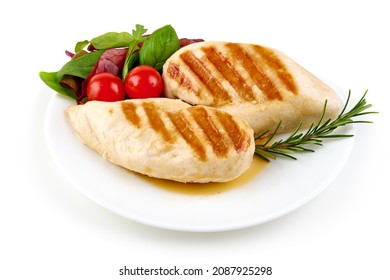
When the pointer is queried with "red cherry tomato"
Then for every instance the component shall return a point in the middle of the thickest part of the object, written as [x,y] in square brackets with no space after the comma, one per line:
[105,87]
[143,82]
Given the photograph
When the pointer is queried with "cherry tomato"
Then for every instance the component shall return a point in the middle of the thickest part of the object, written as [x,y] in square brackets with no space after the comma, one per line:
[143,82]
[105,87]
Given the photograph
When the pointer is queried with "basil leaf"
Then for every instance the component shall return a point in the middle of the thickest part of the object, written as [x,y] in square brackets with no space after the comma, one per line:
[81,66]
[159,46]
[112,40]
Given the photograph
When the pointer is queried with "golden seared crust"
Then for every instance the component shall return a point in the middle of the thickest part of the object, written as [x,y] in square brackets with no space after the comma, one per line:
[166,138]
[253,82]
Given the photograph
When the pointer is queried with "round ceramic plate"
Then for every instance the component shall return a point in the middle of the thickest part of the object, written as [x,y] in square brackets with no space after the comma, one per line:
[264,193]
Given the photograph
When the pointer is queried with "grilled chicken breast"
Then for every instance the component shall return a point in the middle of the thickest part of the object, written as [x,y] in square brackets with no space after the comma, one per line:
[166,138]
[260,85]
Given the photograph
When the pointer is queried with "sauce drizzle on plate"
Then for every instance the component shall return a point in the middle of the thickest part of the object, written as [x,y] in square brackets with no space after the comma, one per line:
[257,166]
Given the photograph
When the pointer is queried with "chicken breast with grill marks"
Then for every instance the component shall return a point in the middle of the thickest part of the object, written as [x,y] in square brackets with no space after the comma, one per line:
[166,138]
[259,84]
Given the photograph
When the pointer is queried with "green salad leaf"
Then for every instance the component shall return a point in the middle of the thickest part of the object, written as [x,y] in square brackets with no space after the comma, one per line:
[111,40]
[106,41]
[80,45]
[133,45]
[50,79]
[79,67]
[159,46]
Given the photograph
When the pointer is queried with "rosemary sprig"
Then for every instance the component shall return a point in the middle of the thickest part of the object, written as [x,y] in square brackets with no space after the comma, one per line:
[296,141]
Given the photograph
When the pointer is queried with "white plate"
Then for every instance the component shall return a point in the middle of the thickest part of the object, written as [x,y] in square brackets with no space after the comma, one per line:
[275,190]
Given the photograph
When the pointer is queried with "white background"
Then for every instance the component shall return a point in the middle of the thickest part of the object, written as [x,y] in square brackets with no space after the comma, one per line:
[49,230]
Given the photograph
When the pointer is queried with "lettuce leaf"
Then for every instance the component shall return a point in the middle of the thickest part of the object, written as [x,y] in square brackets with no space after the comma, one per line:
[79,67]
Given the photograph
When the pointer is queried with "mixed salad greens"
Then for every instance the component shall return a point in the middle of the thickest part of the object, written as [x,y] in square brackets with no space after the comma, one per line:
[113,52]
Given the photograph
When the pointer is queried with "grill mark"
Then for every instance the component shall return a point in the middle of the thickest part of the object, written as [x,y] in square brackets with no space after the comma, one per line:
[183,126]
[229,72]
[255,71]
[155,121]
[199,69]
[273,62]
[214,137]
[174,73]
[239,138]
[129,110]
[187,132]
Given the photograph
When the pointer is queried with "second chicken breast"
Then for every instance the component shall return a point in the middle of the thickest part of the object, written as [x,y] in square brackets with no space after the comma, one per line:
[259,84]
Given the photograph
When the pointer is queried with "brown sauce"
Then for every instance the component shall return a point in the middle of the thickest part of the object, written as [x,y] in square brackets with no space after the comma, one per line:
[258,165]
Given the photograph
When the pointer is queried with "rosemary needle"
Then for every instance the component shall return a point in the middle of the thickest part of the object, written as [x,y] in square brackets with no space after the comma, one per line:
[297,141]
